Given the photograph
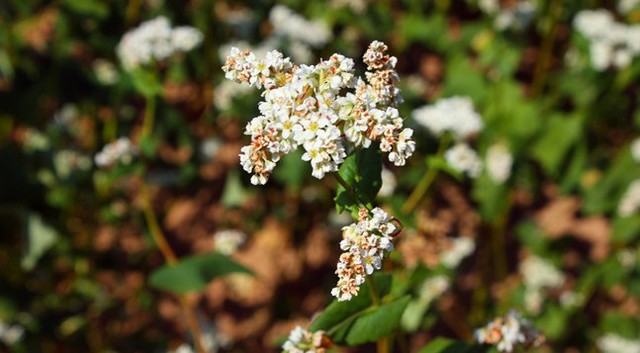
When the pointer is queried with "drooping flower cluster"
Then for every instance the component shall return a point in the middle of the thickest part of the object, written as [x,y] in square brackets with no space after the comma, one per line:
[464,159]
[507,331]
[155,40]
[498,162]
[538,274]
[312,106]
[455,114]
[118,151]
[304,341]
[612,343]
[364,244]
[611,43]
[630,201]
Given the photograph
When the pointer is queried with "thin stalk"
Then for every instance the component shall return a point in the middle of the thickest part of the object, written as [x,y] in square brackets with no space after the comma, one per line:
[170,257]
[546,49]
[149,115]
[424,183]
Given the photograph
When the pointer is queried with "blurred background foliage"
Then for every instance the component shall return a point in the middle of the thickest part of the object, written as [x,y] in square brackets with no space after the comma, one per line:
[75,253]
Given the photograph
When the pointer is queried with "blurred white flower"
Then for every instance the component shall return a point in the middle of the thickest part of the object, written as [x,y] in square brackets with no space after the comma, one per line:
[516,17]
[461,247]
[10,334]
[432,288]
[209,147]
[539,273]
[226,91]
[289,24]
[507,331]
[228,241]
[118,151]
[155,40]
[105,71]
[498,163]
[625,6]
[612,343]
[304,341]
[630,201]
[464,159]
[35,140]
[455,114]
[388,183]
[66,162]
[357,6]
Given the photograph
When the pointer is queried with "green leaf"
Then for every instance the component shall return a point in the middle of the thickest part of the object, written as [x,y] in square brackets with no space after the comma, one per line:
[445,345]
[193,273]
[551,148]
[96,9]
[146,82]
[234,194]
[626,229]
[40,238]
[491,196]
[362,171]
[292,170]
[359,321]
[605,194]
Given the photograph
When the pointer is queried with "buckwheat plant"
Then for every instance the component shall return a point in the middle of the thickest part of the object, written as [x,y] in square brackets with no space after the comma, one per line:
[324,108]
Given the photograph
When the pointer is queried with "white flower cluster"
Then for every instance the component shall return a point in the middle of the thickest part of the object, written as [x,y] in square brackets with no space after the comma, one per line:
[611,43]
[10,334]
[432,288]
[464,159]
[66,162]
[304,341]
[507,331]
[455,114]
[538,274]
[364,244]
[626,6]
[307,106]
[461,247]
[228,241]
[289,24]
[120,150]
[635,149]
[498,162]
[155,40]
[612,343]
[630,201]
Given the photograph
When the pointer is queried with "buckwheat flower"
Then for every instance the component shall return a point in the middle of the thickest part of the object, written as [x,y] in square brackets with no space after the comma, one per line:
[365,244]
[628,258]
[455,114]
[516,17]
[626,6]
[630,201]
[289,24]
[432,288]
[155,40]
[612,343]
[304,341]
[498,162]
[464,159]
[228,241]
[35,140]
[490,7]
[322,108]
[226,92]
[118,151]
[635,149]
[461,247]
[538,274]
[10,334]
[66,162]
[389,183]
[508,331]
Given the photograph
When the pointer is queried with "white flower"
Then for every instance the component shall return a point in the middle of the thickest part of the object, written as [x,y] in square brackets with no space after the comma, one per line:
[155,40]
[464,159]
[118,151]
[106,73]
[66,162]
[455,114]
[630,201]
[228,241]
[432,288]
[625,6]
[612,343]
[304,341]
[289,24]
[539,273]
[10,334]
[388,183]
[365,244]
[507,331]
[498,162]
[635,149]
[461,247]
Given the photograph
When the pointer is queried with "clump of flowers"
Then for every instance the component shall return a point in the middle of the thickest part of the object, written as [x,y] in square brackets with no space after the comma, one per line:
[118,151]
[455,115]
[538,274]
[464,159]
[365,244]
[304,341]
[461,247]
[507,331]
[289,24]
[155,40]
[611,43]
[499,162]
[228,241]
[612,343]
[321,108]
[630,201]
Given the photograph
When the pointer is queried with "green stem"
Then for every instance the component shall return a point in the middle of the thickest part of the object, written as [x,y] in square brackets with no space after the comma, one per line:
[170,257]
[424,183]
[149,115]
[383,343]
[498,244]
[546,49]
